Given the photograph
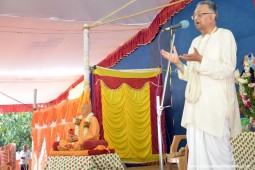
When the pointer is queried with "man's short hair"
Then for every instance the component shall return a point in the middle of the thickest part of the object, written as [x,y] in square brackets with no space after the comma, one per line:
[212,6]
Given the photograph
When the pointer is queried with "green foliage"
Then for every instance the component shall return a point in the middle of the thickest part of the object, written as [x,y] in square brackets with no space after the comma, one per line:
[16,128]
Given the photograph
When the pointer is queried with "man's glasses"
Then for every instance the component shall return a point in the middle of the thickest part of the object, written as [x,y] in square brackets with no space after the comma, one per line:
[199,15]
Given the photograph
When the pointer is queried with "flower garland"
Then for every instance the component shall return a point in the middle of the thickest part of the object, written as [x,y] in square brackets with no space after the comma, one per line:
[86,124]
[247,109]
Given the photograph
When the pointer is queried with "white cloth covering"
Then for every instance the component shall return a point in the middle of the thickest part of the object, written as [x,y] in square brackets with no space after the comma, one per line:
[207,152]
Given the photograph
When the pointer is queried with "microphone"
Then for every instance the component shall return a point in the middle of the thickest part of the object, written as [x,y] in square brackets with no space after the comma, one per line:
[183,24]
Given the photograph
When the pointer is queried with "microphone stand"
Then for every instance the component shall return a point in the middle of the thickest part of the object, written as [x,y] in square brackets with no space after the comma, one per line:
[160,105]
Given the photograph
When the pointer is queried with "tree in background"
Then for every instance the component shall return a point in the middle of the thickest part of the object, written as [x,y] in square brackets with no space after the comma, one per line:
[16,128]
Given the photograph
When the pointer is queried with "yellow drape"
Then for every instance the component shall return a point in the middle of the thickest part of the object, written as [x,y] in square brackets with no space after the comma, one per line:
[126,120]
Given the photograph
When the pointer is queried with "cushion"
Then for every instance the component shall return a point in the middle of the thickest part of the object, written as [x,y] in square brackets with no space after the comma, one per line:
[80,152]
[69,153]
[55,146]
[91,144]
[87,145]
[99,152]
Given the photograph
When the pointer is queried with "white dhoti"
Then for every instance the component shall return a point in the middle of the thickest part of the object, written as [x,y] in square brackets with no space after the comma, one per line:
[209,152]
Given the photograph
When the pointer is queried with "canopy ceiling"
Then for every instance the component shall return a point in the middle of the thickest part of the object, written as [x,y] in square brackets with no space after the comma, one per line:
[42,42]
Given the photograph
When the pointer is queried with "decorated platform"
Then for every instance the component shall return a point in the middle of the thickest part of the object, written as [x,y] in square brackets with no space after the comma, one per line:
[108,161]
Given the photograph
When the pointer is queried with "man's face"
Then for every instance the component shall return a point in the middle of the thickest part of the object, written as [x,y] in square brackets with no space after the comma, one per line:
[86,109]
[25,147]
[203,17]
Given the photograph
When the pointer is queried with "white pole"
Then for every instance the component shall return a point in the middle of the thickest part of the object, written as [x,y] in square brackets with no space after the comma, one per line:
[35,96]
[167,71]
[86,56]
[159,112]
[160,107]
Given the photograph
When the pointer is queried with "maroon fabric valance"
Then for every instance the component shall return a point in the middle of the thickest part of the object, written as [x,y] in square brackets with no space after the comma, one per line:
[144,36]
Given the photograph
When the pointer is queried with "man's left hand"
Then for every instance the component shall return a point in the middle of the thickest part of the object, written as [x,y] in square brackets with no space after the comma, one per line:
[192,57]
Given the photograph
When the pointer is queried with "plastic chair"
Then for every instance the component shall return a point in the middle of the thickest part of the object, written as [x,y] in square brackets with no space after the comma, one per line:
[180,157]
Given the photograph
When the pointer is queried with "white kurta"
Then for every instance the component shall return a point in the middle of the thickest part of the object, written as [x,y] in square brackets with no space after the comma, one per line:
[24,157]
[218,99]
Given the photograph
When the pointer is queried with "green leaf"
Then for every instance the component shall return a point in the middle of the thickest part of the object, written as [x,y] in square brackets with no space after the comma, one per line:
[16,128]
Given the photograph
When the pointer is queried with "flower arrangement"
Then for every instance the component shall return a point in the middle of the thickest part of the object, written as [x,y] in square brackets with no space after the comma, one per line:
[71,135]
[77,121]
[86,123]
[69,146]
[71,131]
[246,90]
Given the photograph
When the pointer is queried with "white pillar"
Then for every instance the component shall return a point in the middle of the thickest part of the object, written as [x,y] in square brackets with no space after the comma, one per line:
[35,96]
[86,56]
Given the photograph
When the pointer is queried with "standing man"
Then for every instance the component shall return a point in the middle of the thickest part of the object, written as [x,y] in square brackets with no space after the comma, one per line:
[25,156]
[211,114]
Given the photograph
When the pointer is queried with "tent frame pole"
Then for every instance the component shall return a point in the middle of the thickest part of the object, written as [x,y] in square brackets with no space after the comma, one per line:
[86,57]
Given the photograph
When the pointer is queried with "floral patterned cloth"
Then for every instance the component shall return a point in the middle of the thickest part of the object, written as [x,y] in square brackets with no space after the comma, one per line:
[244,150]
[96,162]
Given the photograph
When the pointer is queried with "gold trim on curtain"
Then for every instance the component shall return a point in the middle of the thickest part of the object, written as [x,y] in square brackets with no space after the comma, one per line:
[141,73]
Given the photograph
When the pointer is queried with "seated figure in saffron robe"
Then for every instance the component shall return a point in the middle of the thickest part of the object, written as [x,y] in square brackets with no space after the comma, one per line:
[86,128]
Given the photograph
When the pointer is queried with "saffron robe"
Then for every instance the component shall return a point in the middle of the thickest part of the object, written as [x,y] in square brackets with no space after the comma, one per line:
[93,134]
